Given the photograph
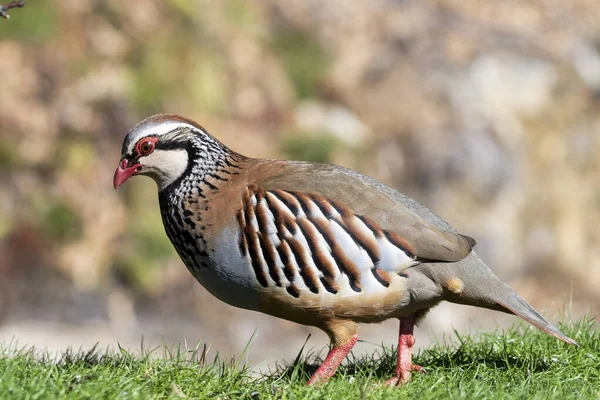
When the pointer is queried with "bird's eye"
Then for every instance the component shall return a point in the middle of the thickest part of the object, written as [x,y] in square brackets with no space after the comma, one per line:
[145,147]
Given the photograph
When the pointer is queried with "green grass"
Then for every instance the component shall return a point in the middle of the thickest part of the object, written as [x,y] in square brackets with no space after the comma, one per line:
[510,364]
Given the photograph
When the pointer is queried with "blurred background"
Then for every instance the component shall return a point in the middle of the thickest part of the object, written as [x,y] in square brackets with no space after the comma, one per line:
[488,112]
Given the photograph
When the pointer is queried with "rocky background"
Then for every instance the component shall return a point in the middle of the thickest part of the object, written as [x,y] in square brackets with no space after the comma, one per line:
[488,112]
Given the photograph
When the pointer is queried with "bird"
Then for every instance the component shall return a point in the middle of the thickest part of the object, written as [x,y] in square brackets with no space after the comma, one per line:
[317,244]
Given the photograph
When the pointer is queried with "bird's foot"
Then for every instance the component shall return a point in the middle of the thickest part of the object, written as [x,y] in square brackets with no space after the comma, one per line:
[404,376]
[406,341]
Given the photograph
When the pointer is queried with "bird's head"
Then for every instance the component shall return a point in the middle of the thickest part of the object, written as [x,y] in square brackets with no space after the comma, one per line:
[163,147]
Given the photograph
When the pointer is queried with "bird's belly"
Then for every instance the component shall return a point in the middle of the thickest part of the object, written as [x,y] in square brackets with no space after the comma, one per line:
[313,309]
[226,275]
[226,287]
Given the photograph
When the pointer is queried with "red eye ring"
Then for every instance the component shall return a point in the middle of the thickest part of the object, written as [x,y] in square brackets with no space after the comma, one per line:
[145,146]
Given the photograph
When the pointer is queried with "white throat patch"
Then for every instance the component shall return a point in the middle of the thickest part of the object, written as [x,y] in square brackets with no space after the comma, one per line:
[165,166]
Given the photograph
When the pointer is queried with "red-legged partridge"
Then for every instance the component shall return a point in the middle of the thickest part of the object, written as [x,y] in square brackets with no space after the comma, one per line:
[316,244]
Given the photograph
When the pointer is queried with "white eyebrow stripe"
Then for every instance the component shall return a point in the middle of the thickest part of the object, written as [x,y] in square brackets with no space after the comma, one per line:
[166,127]
[156,129]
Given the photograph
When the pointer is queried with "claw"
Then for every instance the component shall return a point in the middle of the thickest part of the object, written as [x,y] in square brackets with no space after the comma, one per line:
[418,368]
[392,382]
[401,380]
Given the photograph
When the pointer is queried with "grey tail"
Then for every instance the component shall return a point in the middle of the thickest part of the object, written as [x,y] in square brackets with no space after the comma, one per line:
[521,308]
[482,288]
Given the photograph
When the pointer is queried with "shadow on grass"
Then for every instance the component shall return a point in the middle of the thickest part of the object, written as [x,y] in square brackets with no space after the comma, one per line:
[382,363]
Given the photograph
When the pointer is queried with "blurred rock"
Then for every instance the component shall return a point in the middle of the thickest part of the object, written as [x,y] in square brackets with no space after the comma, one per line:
[586,60]
[335,119]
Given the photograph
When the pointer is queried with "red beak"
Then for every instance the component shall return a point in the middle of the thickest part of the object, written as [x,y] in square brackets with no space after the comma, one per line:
[123,172]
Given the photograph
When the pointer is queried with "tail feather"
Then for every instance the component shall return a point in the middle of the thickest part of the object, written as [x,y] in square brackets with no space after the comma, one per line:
[479,287]
[529,314]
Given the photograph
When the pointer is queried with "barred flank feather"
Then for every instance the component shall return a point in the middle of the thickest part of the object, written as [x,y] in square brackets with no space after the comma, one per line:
[305,240]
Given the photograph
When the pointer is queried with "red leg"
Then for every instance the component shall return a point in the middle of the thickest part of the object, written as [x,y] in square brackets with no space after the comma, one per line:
[331,363]
[406,342]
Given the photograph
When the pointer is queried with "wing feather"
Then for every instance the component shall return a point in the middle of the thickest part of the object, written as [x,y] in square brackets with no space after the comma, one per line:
[305,241]
[406,222]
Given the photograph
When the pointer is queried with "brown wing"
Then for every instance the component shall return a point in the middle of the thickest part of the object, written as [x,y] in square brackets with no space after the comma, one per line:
[421,232]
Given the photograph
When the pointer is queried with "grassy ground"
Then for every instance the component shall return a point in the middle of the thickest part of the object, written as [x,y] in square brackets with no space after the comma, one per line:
[510,364]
